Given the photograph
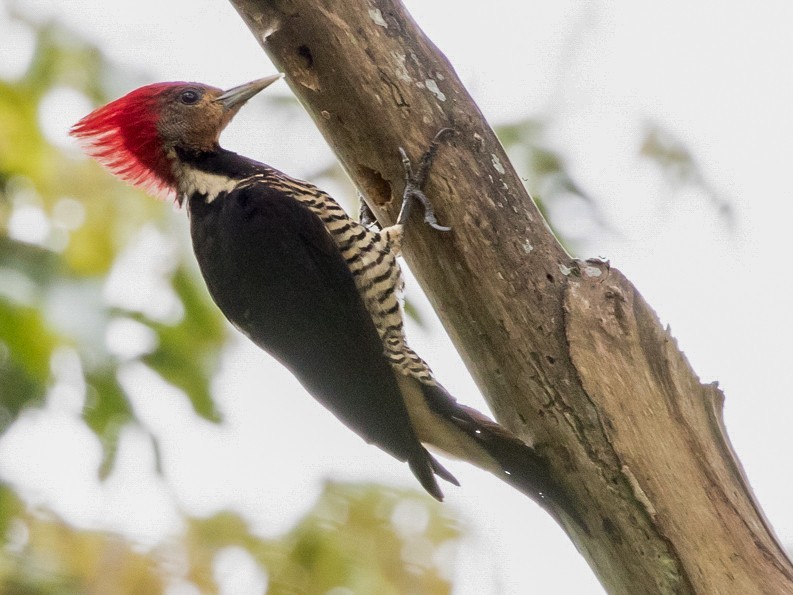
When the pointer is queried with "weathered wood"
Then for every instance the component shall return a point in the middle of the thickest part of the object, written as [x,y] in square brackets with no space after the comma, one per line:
[568,354]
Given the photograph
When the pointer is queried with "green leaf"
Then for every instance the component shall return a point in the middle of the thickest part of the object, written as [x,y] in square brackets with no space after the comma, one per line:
[187,352]
[25,348]
[106,412]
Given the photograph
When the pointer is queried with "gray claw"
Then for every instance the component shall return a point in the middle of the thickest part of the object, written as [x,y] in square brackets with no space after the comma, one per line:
[406,165]
[414,182]
[433,223]
[429,212]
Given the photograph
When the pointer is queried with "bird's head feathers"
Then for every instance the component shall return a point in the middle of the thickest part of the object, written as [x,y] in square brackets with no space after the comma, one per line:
[138,136]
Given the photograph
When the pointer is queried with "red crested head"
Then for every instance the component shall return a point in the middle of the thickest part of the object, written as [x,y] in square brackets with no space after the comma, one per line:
[124,137]
[138,137]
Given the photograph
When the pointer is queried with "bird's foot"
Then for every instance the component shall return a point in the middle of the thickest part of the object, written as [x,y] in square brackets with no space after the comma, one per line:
[415,181]
[366,216]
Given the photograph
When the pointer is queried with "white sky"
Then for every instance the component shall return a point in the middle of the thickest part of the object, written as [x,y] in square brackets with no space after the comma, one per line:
[717,75]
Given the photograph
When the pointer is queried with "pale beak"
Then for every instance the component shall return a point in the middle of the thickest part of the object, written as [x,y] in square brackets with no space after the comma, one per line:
[236,96]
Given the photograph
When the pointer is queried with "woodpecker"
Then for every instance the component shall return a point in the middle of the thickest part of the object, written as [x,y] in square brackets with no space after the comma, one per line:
[305,282]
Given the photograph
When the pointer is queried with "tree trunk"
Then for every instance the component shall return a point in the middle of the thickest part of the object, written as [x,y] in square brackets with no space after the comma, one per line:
[567,353]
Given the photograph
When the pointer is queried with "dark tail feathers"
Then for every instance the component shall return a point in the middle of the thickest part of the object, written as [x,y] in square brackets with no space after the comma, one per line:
[521,466]
[425,467]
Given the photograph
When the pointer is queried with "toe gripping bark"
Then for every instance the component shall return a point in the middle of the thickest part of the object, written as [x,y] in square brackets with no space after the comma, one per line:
[414,181]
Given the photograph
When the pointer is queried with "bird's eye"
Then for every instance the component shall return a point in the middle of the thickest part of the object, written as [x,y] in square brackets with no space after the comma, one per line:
[189,97]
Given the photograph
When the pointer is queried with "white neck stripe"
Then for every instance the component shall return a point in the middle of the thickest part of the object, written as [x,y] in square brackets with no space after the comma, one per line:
[192,181]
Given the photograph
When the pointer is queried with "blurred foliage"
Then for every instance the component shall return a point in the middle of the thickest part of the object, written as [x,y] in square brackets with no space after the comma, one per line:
[547,176]
[64,224]
[543,169]
[358,537]
[679,167]
[196,335]
[365,538]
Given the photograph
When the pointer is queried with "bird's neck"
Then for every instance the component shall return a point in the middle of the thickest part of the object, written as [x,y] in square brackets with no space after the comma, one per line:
[207,175]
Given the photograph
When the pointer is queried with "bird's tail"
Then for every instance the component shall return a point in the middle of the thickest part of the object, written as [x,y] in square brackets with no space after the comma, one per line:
[425,467]
[503,454]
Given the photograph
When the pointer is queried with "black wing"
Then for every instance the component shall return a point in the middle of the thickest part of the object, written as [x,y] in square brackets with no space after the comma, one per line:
[277,275]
